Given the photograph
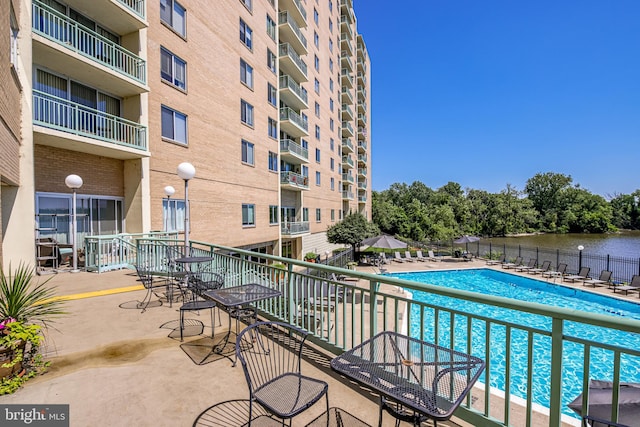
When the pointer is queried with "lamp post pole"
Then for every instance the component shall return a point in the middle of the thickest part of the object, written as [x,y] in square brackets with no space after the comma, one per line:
[168,191]
[580,248]
[74,182]
[186,171]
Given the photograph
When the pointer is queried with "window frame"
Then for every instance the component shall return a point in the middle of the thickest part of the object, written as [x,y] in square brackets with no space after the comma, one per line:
[186,125]
[272,61]
[272,95]
[247,113]
[274,215]
[250,209]
[246,73]
[247,153]
[273,161]
[172,25]
[272,128]
[175,60]
[246,35]
[318,215]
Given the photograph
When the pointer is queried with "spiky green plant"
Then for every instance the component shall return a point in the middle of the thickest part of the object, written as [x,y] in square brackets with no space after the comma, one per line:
[23,299]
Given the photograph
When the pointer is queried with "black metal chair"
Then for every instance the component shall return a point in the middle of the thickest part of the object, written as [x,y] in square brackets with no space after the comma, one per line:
[145,277]
[196,283]
[272,370]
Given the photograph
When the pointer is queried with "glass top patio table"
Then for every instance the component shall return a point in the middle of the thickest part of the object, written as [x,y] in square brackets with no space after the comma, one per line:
[428,379]
[241,295]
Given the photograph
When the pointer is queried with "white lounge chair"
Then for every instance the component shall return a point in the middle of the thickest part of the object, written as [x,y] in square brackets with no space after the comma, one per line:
[432,257]
[397,257]
[408,257]
[419,256]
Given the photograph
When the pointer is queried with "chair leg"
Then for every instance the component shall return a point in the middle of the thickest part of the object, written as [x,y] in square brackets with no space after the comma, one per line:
[181,323]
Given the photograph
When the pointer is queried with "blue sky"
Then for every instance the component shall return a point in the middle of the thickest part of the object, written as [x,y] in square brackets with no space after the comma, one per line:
[489,93]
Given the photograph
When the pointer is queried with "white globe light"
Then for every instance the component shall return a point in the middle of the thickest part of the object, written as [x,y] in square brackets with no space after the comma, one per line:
[580,247]
[186,171]
[169,191]
[73,181]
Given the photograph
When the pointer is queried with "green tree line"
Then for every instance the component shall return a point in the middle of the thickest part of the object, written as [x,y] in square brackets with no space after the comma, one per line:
[550,202]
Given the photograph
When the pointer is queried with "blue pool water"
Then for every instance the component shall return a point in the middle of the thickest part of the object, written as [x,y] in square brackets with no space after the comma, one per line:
[492,282]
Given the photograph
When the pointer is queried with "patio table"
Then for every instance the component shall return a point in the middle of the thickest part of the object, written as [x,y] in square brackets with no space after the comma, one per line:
[236,301]
[416,379]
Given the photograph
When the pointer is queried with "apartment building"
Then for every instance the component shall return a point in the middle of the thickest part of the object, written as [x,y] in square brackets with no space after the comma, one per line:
[262,97]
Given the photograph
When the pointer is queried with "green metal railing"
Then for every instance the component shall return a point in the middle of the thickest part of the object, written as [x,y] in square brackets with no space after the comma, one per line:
[341,318]
[55,26]
[137,6]
[61,114]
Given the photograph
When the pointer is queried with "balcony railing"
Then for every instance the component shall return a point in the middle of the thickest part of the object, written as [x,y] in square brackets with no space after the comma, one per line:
[294,228]
[346,109]
[347,195]
[287,113]
[61,114]
[288,145]
[348,127]
[78,38]
[359,311]
[362,145]
[346,177]
[362,199]
[362,158]
[348,160]
[295,179]
[137,6]
[362,185]
[346,143]
[285,18]
[362,171]
[285,49]
[288,82]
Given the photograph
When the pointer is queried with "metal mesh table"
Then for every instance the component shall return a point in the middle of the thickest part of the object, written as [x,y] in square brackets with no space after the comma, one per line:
[410,374]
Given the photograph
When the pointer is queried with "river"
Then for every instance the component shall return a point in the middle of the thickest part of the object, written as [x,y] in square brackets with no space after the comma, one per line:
[623,244]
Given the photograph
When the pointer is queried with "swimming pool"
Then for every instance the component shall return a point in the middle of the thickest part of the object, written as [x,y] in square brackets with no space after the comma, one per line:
[492,282]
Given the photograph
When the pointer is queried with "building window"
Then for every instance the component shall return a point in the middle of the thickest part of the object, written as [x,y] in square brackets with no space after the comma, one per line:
[173,214]
[248,215]
[247,153]
[246,113]
[304,143]
[174,15]
[340,214]
[315,16]
[271,61]
[331,65]
[318,178]
[305,214]
[272,94]
[271,27]
[318,215]
[331,85]
[331,104]
[332,164]
[15,29]
[247,4]
[333,215]
[331,144]
[333,181]
[174,125]
[316,86]
[331,125]
[246,74]
[273,161]
[273,214]
[316,39]
[246,34]
[316,62]
[317,132]
[273,128]
[317,155]
[330,6]
[317,108]
[173,69]
[330,25]
[331,45]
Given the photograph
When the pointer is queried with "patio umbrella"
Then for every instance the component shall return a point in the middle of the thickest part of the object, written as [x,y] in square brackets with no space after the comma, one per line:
[384,241]
[466,239]
[600,396]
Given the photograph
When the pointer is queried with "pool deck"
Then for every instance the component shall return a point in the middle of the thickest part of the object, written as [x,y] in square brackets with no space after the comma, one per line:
[116,366]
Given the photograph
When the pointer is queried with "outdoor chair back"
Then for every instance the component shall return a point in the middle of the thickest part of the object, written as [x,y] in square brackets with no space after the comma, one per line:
[145,276]
[272,369]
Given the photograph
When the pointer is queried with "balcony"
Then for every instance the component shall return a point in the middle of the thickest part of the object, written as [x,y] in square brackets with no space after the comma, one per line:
[362,94]
[362,133]
[362,65]
[347,130]
[292,152]
[69,48]
[362,119]
[102,133]
[347,162]
[362,146]
[362,172]
[345,43]
[347,195]
[362,107]
[292,123]
[347,146]
[346,78]
[362,158]
[362,199]
[290,32]
[345,20]
[346,61]
[362,78]
[346,95]
[296,9]
[289,229]
[347,113]
[362,185]
[347,177]
[293,181]
[291,63]
[292,94]
[345,27]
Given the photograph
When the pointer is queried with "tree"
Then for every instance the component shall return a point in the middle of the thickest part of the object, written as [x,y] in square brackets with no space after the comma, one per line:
[352,230]
[545,190]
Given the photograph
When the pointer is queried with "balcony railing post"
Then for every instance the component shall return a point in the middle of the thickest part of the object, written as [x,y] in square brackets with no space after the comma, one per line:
[373,310]
[555,403]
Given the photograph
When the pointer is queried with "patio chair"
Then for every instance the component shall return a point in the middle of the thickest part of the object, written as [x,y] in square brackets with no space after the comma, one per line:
[145,277]
[432,257]
[558,272]
[633,286]
[603,280]
[408,257]
[583,274]
[544,268]
[197,283]
[419,256]
[498,261]
[272,369]
[516,263]
[529,266]
[397,257]
[467,256]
